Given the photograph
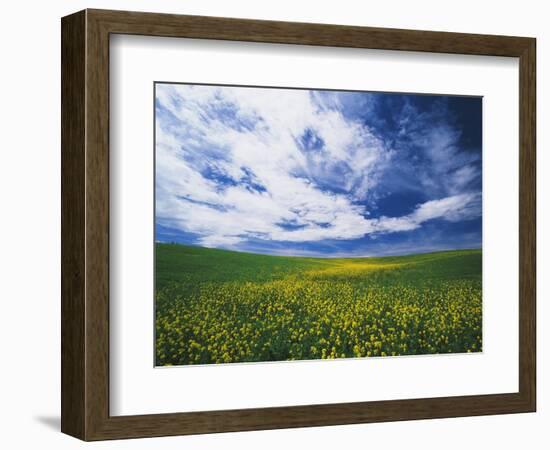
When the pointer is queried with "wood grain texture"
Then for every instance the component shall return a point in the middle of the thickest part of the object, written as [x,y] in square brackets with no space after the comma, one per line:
[527,224]
[73,108]
[97,225]
[85,224]
[152,24]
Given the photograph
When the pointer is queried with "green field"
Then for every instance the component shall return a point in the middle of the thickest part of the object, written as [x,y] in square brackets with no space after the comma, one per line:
[218,306]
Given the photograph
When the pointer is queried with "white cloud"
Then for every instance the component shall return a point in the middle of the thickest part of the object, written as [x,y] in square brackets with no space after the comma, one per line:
[268,185]
[453,209]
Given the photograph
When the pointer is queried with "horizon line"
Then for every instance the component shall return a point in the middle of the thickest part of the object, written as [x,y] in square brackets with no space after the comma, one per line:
[338,256]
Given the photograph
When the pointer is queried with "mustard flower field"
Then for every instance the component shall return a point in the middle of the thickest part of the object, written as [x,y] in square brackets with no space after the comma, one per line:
[218,306]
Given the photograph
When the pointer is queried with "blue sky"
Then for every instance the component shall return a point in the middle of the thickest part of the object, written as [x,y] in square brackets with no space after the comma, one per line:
[317,173]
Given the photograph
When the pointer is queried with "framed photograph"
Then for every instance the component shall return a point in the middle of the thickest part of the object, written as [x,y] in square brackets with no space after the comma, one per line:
[273,225]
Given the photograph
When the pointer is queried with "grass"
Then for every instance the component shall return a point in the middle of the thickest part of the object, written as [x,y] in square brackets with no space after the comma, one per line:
[218,306]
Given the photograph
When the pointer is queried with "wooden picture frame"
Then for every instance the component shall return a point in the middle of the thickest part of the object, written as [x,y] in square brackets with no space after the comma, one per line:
[85,224]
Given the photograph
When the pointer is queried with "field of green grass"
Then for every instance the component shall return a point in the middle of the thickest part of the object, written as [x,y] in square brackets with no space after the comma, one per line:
[219,306]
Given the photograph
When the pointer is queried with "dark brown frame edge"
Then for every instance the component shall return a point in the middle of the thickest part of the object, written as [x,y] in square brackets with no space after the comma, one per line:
[85,224]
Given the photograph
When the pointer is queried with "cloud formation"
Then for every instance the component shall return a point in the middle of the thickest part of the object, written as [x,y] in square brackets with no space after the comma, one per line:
[240,165]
